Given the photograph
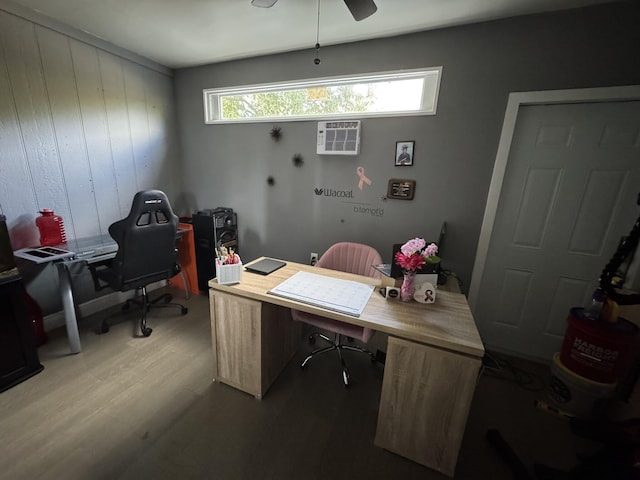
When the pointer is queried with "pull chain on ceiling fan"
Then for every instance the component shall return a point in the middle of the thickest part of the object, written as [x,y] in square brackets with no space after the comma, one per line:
[317,59]
[360,9]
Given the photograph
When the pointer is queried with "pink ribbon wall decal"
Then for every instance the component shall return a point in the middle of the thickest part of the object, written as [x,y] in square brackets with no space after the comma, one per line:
[363,178]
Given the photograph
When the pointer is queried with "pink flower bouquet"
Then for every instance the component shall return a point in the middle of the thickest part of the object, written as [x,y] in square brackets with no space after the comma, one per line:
[415,253]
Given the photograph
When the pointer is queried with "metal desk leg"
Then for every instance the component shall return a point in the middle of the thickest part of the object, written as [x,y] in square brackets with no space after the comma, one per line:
[185,282]
[69,308]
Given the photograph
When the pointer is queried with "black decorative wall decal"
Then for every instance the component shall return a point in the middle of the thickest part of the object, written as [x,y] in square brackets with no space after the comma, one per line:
[297,160]
[276,133]
[271,180]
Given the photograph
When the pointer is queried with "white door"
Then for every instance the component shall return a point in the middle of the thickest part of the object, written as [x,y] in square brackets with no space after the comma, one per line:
[569,194]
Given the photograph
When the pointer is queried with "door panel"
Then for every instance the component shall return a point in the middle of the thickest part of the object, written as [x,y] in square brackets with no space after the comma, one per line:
[569,194]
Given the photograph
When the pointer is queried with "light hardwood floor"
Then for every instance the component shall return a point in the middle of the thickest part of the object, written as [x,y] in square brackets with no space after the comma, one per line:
[129,407]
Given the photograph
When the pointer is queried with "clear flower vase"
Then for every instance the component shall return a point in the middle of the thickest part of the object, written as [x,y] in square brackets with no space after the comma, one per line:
[408,286]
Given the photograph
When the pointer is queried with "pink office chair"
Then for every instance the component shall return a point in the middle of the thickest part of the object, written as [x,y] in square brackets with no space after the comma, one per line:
[351,258]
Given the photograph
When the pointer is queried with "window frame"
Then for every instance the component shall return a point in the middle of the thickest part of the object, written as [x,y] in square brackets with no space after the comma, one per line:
[212,96]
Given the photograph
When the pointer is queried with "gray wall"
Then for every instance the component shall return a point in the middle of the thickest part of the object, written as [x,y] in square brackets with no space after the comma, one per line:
[227,165]
[83,126]
[81,130]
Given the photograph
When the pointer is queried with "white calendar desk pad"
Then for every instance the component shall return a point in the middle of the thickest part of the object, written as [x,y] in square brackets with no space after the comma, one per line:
[344,296]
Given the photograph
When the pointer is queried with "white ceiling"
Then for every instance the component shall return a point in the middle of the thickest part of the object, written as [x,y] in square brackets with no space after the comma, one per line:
[181,33]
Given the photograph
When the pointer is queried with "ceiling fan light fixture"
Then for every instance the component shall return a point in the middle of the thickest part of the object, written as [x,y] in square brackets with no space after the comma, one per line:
[361,9]
[263,3]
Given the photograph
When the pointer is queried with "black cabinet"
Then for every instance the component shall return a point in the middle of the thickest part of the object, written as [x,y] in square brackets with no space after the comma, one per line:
[212,228]
[18,354]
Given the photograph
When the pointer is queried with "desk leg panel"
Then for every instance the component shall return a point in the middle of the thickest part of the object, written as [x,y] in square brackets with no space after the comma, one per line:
[236,332]
[69,307]
[214,335]
[280,341]
[252,341]
[426,397]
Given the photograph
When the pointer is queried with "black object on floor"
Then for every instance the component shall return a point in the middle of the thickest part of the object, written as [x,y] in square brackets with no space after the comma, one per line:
[617,459]
[518,468]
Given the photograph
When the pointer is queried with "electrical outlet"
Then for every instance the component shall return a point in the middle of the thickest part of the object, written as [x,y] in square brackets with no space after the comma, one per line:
[313,259]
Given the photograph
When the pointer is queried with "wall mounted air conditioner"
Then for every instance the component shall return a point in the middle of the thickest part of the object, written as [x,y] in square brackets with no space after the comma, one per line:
[340,137]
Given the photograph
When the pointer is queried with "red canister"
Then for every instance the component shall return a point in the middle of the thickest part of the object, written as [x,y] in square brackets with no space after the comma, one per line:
[597,350]
[51,228]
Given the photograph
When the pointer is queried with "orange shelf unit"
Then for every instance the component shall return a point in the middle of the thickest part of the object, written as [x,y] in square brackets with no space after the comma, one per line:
[187,259]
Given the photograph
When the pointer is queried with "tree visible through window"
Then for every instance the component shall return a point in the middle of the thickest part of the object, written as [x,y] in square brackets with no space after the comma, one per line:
[413,92]
[302,102]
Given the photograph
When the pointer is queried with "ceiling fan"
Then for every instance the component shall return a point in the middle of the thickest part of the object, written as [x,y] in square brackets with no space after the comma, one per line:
[360,9]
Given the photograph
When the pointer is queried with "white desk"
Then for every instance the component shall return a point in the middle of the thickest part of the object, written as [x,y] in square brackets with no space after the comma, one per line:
[433,357]
[86,250]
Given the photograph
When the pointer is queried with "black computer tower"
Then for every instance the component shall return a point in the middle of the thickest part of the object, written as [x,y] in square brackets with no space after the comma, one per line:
[212,228]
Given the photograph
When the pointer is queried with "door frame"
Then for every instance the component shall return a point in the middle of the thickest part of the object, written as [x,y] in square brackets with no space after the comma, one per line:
[517,100]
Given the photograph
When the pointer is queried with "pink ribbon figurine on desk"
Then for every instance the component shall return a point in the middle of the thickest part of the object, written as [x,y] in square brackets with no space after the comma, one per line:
[425,293]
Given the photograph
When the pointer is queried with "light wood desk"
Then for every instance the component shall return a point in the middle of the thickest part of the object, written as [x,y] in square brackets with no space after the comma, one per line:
[433,357]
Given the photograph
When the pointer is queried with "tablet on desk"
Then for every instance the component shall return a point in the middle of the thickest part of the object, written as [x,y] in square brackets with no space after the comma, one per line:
[265,266]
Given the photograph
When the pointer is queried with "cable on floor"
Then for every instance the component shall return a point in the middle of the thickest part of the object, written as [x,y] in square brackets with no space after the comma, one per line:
[500,367]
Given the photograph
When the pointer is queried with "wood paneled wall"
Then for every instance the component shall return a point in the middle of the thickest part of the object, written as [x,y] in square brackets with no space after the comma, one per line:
[81,131]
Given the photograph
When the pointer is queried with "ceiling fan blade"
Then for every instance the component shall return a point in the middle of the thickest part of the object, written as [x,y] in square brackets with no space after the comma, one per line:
[263,3]
[361,9]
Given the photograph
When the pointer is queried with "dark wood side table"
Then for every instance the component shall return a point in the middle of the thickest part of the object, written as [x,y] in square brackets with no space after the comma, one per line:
[18,354]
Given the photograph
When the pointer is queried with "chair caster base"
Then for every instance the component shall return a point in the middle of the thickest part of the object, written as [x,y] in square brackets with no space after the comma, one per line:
[184,310]
[345,378]
[146,331]
[336,345]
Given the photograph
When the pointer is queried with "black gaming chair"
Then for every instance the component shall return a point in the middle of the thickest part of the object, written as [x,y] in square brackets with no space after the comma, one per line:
[146,253]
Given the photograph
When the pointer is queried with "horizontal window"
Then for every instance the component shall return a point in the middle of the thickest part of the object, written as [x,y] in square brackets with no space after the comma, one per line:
[413,92]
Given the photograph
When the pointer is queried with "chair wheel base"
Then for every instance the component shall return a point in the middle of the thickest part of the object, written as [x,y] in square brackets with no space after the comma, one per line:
[184,310]
[146,331]
[345,378]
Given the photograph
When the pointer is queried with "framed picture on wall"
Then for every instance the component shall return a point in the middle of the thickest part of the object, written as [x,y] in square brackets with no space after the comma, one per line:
[404,153]
[401,189]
